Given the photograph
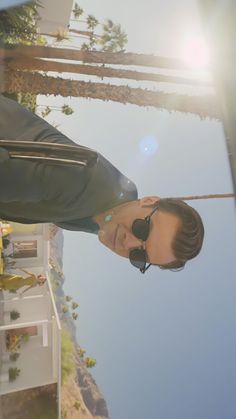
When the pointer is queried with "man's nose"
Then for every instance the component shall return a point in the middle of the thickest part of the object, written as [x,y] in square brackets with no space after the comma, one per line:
[130,241]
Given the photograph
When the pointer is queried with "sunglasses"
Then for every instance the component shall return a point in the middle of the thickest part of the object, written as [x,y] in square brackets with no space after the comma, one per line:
[140,229]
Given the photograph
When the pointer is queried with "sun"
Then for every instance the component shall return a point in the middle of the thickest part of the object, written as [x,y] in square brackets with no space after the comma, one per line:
[195,53]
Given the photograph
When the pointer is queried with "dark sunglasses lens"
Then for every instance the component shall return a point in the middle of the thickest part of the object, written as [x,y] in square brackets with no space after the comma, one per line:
[138,258]
[140,229]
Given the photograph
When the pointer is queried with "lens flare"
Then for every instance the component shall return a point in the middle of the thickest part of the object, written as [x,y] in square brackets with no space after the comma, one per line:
[196,54]
[148,145]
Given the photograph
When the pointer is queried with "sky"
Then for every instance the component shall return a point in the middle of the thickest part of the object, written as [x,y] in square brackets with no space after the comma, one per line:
[164,342]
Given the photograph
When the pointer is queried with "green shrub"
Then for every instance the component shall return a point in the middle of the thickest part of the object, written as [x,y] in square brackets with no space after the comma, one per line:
[90,362]
[64,413]
[5,242]
[25,337]
[17,24]
[74,305]
[14,315]
[75,316]
[13,373]
[14,356]
[77,404]
[65,309]
[82,352]
[68,366]
[28,100]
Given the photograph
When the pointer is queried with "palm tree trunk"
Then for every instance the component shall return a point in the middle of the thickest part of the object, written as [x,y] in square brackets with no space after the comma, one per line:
[78,20]
[212,196]
[64,37]
[35,83]
[88,34]
[94,56]
[54,108]
[62,67]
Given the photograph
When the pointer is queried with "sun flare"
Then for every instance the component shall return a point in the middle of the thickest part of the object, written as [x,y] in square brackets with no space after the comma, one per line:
[196,54]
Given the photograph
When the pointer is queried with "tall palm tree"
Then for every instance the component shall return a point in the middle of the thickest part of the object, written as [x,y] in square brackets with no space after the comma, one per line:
[99,71]
[77,11]
[59,35]
[22,81]
[46,110]
[92,22]
[80,32]
[211,196]
[113,37]
[121,58]
[67,110]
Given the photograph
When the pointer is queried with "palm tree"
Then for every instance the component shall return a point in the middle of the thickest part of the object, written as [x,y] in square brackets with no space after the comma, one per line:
[99,71]
[121,58]
[22,81]
[77,11]
[59,35]
[92,22]
[75,316]
[85,47]
[113,37]
[88,34]
[112,42]
[211,196]
[65,109]
[46,112]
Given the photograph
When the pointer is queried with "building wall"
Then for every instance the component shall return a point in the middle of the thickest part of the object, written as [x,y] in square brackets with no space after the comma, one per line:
[54,15]
[35,364]
[39,359]
[30,246]
[30,309]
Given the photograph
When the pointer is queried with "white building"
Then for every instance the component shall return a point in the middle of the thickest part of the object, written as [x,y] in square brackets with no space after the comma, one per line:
[39,361]
[54,15]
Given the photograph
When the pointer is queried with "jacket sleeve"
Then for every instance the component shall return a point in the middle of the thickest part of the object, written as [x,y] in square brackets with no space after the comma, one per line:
[28,181]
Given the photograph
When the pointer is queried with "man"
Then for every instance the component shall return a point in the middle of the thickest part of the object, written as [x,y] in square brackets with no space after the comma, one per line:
[100,199]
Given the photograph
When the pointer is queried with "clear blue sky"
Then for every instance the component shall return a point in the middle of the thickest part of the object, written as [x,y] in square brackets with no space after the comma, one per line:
[165,342]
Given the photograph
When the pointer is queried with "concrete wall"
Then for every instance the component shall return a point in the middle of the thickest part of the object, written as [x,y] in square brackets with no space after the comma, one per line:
[35,364]
[30,309]
[37,234]
[39,359]
[54,15]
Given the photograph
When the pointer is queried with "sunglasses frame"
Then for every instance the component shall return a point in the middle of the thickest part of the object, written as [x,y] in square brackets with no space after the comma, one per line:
[146,222]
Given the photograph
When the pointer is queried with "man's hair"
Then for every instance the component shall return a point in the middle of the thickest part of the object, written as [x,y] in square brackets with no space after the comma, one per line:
[189,237]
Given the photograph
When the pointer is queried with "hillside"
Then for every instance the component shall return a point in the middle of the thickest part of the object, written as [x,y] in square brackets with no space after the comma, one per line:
[81,397]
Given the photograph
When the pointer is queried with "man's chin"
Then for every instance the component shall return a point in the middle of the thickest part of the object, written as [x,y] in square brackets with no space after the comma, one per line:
[104,242]
[102,239]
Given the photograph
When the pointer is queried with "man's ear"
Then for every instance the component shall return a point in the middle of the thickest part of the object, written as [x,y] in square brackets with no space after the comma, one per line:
[147,201]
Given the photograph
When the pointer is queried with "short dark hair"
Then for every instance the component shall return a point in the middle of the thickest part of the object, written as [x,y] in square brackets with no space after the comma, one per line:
[189,237]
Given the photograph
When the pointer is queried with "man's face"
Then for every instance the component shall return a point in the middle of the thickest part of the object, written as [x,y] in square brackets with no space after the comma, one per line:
[117,235]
